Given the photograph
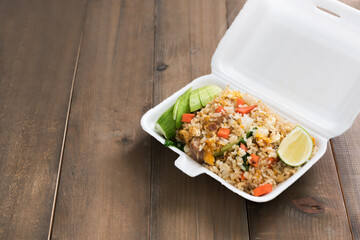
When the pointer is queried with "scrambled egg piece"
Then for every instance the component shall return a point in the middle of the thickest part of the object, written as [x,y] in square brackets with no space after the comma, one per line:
[209,158]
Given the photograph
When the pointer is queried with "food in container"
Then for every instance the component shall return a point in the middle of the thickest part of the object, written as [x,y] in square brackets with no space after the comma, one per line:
[298,60]
[236,137]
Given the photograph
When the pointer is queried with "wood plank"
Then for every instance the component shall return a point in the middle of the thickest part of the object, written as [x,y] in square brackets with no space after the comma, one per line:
[187,33]
[233,8]
[347,151]
[173,199]
[38,51]
[312,208]
[104,190]
[352,3]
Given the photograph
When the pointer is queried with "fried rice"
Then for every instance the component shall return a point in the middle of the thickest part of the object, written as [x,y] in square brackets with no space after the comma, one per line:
[261,129]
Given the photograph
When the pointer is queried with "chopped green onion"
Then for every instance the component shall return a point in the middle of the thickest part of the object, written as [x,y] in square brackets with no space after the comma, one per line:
[246,166]
[242,140]
[174,143]
[249,134]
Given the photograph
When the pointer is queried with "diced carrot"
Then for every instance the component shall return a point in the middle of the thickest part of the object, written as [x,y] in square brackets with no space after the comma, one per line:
[264,189]
[242,177]
[254,160]
[242,146]
[245,110]
[240,101]
[271,161]
[219,109]
[223,132]
[186,117]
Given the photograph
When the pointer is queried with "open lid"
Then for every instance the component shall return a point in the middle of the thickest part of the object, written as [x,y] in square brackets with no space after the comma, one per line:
[301,60]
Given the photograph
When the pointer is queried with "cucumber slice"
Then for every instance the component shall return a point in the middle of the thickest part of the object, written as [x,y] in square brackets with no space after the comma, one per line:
[166,124]
[176,108]
[204,96]
[184,107]
[213,90]
[194,101]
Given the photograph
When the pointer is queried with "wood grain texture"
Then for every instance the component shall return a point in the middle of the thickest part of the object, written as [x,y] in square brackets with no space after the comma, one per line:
[347,154]
[38,49]
[352,3]
[187,33]
[104,190]
[346,149]
[312,208]
[173,200]
[233,8]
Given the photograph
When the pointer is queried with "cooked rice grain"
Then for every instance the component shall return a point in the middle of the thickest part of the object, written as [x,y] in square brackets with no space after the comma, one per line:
[268,128]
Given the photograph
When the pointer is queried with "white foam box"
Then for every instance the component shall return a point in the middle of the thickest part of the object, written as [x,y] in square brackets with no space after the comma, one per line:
[297,58]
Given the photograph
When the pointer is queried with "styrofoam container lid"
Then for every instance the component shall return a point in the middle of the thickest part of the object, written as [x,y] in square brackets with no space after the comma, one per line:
[298,58]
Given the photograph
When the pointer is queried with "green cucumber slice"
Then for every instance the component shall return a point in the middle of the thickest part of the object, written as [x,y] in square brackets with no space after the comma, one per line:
[184,107]
[166,124]
[176,105]
[213,90]
[204,96]
[194,101]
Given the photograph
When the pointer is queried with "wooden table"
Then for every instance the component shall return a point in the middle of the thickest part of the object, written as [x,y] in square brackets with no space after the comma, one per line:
[75,78]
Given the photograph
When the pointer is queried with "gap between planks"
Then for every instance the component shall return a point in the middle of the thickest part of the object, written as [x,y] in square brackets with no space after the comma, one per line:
[66,127]
[341,187]
[150,215]
[192,78]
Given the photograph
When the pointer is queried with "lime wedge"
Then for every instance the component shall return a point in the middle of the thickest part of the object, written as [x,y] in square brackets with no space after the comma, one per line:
[296,148]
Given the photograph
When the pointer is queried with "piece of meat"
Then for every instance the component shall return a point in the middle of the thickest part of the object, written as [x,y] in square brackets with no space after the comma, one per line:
[219,120]
[194,150]
[212,127]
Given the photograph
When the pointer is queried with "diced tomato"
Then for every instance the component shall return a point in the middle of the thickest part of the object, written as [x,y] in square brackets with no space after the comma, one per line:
[186,117]
[240,101]
[245,110]
[254,160]
[242,146]
[264,189]
[223,132]
[219,109]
